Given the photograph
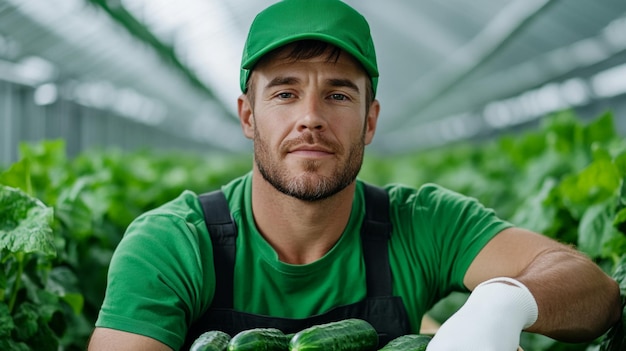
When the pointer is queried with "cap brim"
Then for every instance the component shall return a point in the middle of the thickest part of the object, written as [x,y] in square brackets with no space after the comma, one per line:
[252,60]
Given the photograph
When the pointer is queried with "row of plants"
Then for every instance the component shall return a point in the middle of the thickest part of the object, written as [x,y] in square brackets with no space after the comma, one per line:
[566,180]
[61,218]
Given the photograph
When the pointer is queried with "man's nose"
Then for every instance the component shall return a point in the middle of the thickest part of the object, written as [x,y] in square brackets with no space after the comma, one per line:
[312,115]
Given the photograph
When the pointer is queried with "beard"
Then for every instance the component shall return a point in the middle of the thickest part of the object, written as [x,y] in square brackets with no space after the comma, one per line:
[309,186]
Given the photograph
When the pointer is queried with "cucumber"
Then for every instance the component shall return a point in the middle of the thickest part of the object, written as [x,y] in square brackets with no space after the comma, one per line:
[409,342]
[345,335]
[213,340]
[259,339]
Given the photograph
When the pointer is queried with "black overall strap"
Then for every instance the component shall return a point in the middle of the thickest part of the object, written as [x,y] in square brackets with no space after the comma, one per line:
[223,231]
[375,233]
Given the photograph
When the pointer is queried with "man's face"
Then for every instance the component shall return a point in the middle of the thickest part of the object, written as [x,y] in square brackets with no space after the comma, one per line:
[309,123]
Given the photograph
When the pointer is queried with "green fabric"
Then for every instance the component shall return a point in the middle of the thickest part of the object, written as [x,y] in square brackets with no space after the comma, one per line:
[161,276]
[331,21]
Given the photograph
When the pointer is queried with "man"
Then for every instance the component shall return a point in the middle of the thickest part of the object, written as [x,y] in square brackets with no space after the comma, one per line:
[309,79]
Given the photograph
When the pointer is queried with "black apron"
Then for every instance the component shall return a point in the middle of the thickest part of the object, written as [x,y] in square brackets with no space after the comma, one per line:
[380,308]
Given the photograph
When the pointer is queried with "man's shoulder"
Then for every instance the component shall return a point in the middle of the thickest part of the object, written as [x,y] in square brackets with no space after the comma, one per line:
[188,200]
[184,207]
[428,192]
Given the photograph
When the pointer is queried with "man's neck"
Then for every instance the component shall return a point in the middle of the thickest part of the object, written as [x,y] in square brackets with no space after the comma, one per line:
[300,231]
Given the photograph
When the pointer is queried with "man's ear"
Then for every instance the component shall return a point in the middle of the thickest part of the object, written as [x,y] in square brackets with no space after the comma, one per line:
[246,117]
[371,121]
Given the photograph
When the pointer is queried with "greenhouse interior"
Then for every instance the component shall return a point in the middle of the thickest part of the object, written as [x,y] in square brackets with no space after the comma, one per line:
[110,108]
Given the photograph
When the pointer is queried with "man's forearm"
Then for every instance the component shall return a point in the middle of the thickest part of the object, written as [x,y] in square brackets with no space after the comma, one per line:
[576,301]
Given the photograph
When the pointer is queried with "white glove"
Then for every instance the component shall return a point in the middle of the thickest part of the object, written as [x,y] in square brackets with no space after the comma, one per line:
[491,319]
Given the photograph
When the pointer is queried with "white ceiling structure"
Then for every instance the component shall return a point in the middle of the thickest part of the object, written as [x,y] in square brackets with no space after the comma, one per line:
[450,70]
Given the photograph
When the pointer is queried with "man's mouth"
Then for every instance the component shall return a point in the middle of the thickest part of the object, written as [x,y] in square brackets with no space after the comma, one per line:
[310,151]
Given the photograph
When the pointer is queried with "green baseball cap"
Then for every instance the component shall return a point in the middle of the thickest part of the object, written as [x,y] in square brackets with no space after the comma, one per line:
[287,21]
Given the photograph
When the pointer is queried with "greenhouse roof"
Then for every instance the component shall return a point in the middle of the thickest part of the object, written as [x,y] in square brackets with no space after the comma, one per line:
[450,70]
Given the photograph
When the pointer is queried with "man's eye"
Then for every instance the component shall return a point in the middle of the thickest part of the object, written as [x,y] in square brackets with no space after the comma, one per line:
[339,97]
[285,95]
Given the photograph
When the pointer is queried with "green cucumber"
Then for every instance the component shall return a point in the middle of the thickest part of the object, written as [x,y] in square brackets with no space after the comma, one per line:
[409,342]
[259,339]
[213,340]
[345,335]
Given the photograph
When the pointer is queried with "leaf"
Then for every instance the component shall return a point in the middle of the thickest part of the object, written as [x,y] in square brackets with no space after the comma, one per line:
[613,248]
[620,217]
[620,220]
[6,321]
[47,302]
[75,300]
[601,129]
[533,214]
[18,176]
[596,183]
[25,320]
[50,152]
[596,229]
[615,339]
[75,214]
[63,282]
[44,339]
[563,131]
[3,283]
[619,274]
[620,163]
[25,223]
[6,344]
[600,152]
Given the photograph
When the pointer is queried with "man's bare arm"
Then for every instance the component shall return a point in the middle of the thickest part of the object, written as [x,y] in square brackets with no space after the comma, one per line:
[576,300]
[104,339]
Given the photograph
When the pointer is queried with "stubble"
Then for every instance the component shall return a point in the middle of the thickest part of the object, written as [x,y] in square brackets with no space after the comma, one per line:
[309,185]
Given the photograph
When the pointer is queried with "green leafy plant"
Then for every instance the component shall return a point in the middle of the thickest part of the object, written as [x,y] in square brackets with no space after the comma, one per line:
[89,200]
[28,303]
[61,218]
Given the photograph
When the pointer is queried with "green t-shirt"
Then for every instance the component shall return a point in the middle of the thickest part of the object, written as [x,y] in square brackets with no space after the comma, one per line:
[161,275]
